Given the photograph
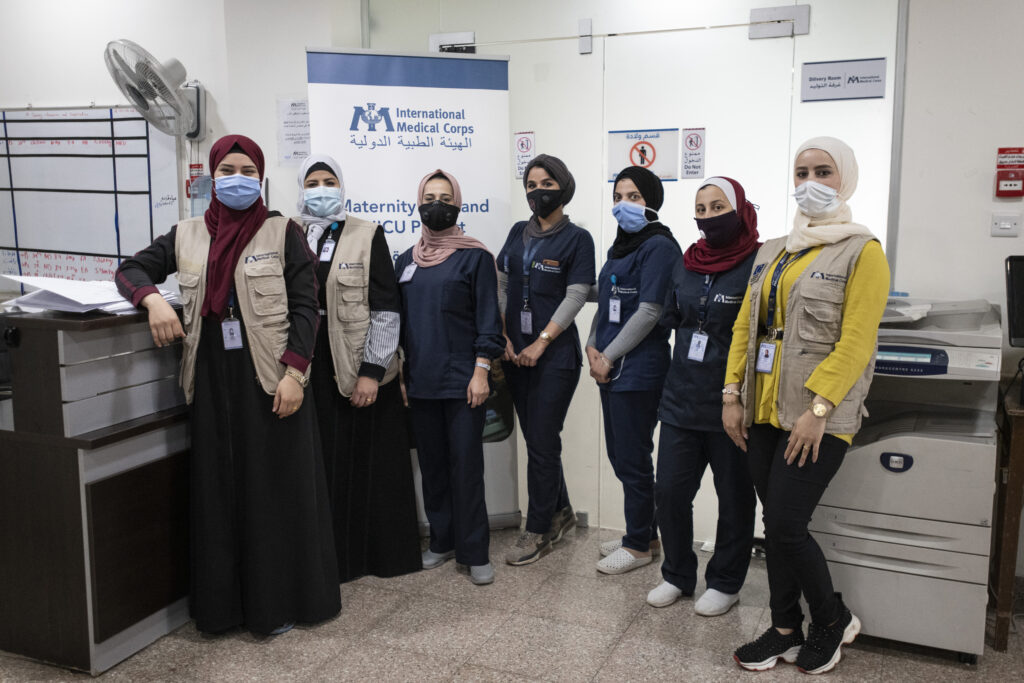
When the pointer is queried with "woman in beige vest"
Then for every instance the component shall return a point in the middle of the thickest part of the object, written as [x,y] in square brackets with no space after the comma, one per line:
[800,364]
[262,551]
[363,423]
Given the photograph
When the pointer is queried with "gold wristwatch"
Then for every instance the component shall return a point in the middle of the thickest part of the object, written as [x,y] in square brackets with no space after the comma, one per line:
[819,409]
[298,377]
[544,336]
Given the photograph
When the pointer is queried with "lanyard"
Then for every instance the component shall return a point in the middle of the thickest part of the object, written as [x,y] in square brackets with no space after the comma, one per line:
[528,252]
[776,277]
[231,305]
[702,312]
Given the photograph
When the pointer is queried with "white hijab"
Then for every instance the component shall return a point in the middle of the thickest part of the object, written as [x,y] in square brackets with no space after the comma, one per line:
[315,225]
[812,232]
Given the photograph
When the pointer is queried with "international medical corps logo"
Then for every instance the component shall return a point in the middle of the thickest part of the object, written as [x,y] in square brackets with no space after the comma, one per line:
[371,116]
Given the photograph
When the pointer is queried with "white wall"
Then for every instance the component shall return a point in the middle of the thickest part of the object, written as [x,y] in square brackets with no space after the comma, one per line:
[963,101]
[745,92]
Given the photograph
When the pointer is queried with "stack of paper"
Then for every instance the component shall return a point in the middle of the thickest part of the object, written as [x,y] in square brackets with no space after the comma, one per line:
[74,296]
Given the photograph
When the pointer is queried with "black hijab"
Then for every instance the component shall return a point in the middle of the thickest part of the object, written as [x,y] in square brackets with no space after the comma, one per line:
[653,193]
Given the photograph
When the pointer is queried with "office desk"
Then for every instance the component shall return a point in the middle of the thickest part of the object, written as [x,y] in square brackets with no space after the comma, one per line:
[93,491]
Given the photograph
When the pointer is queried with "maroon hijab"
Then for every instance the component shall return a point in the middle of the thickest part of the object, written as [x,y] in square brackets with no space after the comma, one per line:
[700,257]
[230,230]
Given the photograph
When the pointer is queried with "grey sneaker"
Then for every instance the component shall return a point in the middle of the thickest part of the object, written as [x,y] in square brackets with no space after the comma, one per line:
[481,574]
[529,547]
[563,521]
[432,560]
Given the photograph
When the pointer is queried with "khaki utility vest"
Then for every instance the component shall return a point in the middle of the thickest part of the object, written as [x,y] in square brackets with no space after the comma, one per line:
[348,303]
[260,295]
[814,318]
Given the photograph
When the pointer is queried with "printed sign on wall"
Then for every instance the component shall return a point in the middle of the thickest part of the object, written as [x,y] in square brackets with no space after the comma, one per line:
[853,79]
[655,149]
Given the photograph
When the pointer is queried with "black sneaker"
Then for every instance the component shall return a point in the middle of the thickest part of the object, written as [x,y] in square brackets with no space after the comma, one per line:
[529,547]
[824,643]
[763,653]
[563,521]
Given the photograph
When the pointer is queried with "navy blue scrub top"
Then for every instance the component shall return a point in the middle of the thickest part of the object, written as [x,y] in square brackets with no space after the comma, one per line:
[692,396]
[563,259]
[644,275]
[449,318]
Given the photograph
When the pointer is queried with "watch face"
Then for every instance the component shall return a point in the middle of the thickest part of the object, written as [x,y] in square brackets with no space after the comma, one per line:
[819,410]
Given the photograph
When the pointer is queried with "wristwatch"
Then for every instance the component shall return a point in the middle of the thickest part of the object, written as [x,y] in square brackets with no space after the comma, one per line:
[544,336]
[819,409]
[298,377]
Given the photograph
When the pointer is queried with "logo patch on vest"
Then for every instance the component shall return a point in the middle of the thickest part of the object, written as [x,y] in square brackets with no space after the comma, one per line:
[830,277]
[350,266]
[256,258]
[728,299]
[757,272]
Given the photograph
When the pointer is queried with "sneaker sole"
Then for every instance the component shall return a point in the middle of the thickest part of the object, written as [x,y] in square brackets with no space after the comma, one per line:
[849,635]
[530,559]
[789,656]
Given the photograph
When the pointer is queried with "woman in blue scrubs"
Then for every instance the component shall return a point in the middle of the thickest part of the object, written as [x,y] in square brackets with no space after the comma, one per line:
[545,271]
[451,329]
[628,354]
[707,291]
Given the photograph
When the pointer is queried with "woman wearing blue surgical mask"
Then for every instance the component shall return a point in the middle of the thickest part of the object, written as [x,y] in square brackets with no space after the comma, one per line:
[628,354]
[363,424]
[800,365]
[262,550]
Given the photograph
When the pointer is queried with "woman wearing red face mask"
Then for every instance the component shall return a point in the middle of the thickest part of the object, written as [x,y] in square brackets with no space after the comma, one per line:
[262,545]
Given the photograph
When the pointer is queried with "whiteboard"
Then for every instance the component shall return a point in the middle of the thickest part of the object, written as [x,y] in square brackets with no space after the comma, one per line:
[80,189]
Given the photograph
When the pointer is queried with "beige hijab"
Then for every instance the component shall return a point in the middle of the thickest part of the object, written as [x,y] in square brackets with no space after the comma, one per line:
[812,232]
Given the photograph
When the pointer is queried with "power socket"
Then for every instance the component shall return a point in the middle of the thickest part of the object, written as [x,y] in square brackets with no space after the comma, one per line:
[1005,224]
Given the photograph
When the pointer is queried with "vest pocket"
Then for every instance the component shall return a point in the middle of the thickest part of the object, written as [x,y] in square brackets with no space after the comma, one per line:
[352,303]
[188,283]
[266,288]
[823,314]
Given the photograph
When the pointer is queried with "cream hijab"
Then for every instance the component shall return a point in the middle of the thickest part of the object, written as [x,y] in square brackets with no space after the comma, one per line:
[812,232]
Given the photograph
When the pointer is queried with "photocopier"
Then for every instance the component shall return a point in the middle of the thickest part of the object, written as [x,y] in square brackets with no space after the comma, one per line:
[906,523]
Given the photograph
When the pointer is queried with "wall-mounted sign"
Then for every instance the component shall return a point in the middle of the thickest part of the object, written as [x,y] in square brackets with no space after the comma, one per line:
[854,79]
[655,149]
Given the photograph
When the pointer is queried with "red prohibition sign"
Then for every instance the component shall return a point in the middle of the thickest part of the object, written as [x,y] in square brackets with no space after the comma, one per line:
[693,141]
[524,144]
[642,154]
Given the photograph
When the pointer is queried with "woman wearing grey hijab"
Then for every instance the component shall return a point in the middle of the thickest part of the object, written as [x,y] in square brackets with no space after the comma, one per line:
[359,403]
[545,270]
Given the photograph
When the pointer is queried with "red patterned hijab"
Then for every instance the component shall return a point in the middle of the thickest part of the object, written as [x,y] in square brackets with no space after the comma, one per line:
[230,230]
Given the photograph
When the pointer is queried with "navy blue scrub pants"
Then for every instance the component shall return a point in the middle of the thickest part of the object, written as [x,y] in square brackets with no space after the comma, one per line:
[789,495]
[451,455]
[542,396]
[629,421]
[683,455]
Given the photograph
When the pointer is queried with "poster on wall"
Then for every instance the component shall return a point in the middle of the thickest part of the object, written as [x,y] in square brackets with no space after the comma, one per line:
[655,149]
[391,119]
[853,79]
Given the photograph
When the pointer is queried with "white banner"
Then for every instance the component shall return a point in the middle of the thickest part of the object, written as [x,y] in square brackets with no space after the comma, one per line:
[391,119]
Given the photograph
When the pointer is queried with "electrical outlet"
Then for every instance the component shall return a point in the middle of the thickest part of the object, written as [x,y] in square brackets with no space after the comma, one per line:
[1005,224]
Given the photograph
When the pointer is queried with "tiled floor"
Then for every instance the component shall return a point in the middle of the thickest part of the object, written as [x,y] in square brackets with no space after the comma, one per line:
[557,619]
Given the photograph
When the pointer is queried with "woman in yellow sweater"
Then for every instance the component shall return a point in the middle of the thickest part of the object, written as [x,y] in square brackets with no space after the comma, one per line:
[800,364]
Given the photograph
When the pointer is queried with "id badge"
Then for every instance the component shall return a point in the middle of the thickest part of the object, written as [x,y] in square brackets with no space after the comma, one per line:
[698,345]
[614,310]
[765,357]
[526,322]
[327,253]
[232,331]
[407,273]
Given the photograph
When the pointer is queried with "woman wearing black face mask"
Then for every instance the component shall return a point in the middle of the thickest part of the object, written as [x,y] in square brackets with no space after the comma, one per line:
[451,330]
[707,291]
[545,270]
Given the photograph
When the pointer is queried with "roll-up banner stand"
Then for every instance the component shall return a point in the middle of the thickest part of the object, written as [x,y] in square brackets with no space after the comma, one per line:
[389,119]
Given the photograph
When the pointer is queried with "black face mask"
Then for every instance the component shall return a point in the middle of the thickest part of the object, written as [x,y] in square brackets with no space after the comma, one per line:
[544,201]
[720,231]
[438,215]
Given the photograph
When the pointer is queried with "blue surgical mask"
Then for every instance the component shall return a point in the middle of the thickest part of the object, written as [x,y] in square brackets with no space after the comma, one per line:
[323,201]
[631,217]
[237,191]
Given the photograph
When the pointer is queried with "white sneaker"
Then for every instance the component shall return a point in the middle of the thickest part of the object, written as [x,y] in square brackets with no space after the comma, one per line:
[664,595]
[714,603]
[621,561]
[609,547]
